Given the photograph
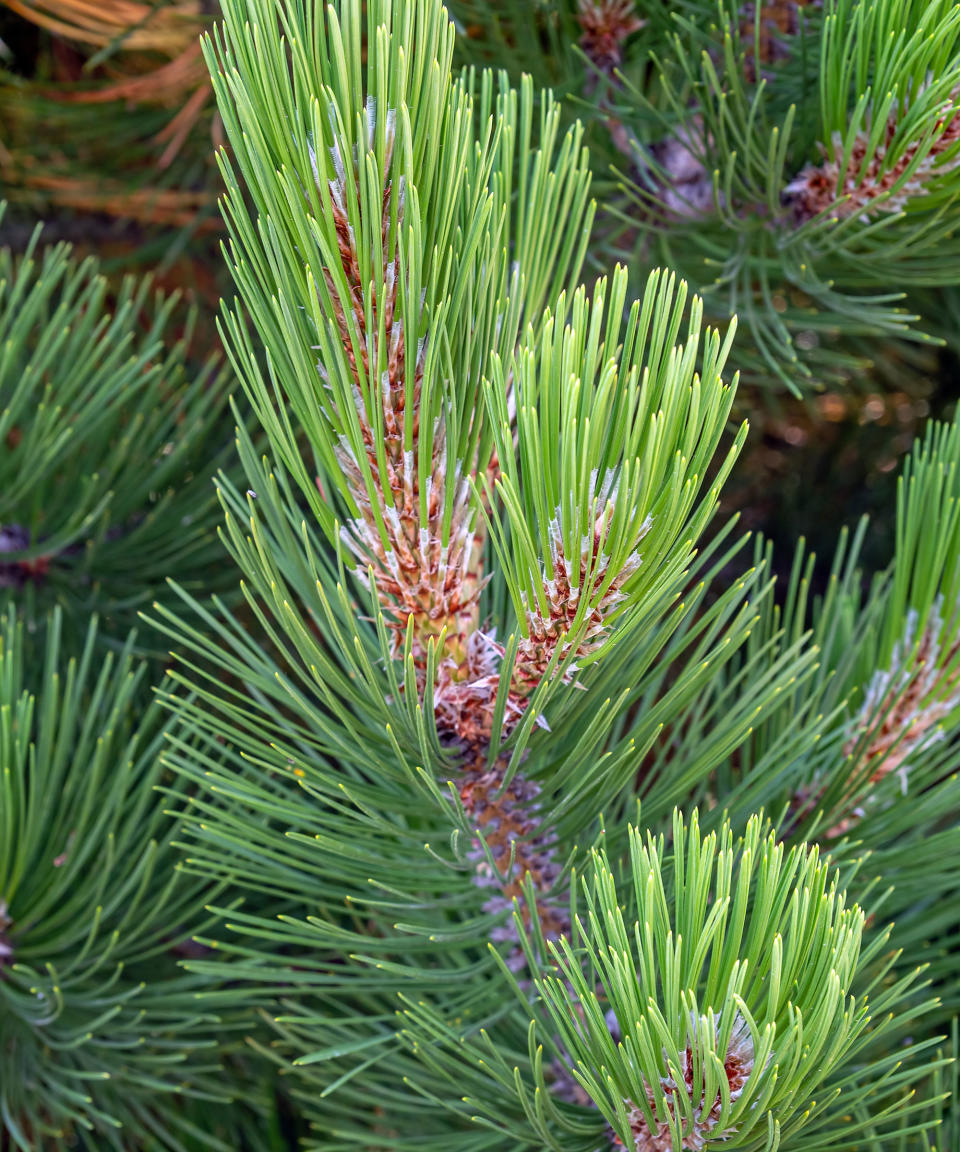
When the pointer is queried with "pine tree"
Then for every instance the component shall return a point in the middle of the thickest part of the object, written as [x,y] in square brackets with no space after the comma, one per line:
[108,438]
[498,650]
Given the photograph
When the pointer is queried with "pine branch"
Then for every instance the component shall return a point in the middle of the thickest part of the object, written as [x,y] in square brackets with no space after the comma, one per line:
[98,1023]
[485,633]
[102,487]
[703,134]
[686,1019]
[859,754]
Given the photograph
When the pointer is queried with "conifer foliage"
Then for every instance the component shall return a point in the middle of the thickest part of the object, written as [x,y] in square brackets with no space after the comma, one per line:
[797,159]
[98,1023]
[109,441]
[514,806]
[670,1009]
[489,658]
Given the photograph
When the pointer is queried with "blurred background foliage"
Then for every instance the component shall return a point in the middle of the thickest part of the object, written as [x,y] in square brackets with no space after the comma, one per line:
[107,133]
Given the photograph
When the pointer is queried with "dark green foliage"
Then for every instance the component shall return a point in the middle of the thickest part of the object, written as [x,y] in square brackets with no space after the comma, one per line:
[100,1028]
[862,754]
[109,439]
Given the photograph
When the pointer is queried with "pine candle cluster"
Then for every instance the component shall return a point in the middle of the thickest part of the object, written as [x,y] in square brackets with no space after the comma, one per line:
[857,177]
[428,416]
[421,550]
[869,175]
[668,1073]
[904,706]
[903,712]
[658,1137]
[419,540]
